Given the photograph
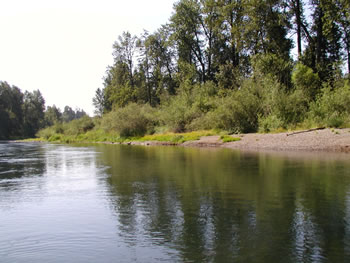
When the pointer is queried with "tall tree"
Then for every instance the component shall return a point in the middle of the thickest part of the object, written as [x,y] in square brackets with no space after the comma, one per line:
[79,113]
[124,51]
[323,52]
[11,114]
[68,114]
[52,115]
[267,28]
[296,8]
[119,81]
[229,54]
[99,102]
[156,66]
[188,33]
[342,17]
[33,109]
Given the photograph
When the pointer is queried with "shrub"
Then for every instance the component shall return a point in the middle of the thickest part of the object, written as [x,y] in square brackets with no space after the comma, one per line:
[132,120]
[55,138]
[192,102]
[238,112]
[332,107]
[305,79]
[46,133]
[78,126]
[281,107]
[269,123]
[286,109]
[272,66]
[178,113]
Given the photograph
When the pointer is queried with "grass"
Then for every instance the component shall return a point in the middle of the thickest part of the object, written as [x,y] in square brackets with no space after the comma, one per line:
[31,140]
[101,136]
[228,138]
[177,137]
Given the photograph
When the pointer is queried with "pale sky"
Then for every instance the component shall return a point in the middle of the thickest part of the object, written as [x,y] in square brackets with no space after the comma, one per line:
[62,47]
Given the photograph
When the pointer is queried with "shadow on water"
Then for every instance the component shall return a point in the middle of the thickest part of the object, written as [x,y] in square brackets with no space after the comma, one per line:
[21,159]
[231,206]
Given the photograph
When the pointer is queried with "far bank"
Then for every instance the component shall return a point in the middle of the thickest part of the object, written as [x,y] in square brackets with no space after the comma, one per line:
[321,140]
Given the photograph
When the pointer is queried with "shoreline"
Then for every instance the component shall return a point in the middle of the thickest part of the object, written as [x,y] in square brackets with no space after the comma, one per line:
[324,140]
[321,140]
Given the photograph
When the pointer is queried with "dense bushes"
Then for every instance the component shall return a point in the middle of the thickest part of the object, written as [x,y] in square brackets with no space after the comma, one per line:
[132,120]
[238,112]
[72,128]
[332,108]
[184,111]
[261,103]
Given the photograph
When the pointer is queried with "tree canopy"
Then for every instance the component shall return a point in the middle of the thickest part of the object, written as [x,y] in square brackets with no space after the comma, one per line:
[224,42]
[22,115]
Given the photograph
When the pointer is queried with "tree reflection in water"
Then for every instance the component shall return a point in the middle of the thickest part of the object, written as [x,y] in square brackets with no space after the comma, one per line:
[228,206]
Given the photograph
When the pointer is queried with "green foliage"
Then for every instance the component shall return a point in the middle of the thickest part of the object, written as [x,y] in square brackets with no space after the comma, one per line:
[69,114]
[99,102]
[177,137]
[272,66]
[33,111]
[132,120]
[291,107]
[229,138]
[181,111]
[269,123]
[79,126]
[303,78]
[11,111]
[228,77]
[227,64]
[46,133]
[238,112]
[332,107]
[52,115]
[72,128]
[216,64]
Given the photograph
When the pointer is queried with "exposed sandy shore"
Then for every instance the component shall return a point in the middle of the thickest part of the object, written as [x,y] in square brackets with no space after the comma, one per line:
[326,140]
[331,140]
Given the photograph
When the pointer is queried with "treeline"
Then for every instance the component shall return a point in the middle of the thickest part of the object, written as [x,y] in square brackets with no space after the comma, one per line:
[228,64]
[23,114]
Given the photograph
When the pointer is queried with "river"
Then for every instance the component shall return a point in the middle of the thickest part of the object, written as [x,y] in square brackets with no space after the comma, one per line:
[114,203]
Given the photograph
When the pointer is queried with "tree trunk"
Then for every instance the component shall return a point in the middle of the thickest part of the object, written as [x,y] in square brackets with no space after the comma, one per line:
[298,20]
[348,48]
[319,44]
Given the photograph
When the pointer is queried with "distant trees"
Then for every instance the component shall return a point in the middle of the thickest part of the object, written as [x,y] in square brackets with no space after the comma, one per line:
[11,113]
[24,114]
[21,115]
[69,114]
[33,112]
[52,115]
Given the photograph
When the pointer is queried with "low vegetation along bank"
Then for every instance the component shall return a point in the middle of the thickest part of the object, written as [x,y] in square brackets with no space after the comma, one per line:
[183,117]
[98,135]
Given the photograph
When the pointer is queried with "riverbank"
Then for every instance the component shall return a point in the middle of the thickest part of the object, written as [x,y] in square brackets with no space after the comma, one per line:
[322,140]
[327,140]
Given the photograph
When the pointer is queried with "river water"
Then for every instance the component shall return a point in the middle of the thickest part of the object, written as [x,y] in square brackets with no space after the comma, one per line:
[112,203]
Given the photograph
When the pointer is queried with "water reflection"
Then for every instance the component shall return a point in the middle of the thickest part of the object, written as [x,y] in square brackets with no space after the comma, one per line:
[226,206]
[151,204]
[52,208]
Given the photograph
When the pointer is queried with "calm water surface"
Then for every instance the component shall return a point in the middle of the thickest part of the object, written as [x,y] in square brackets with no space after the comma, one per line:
[109,203]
